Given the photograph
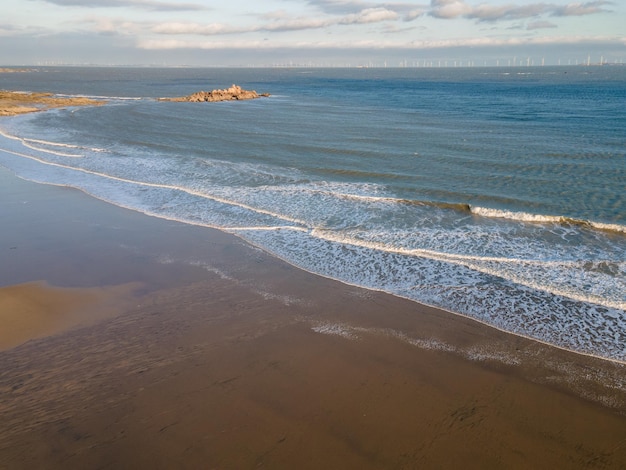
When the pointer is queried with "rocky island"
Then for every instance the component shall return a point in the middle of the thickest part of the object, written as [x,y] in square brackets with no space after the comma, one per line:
[234,93]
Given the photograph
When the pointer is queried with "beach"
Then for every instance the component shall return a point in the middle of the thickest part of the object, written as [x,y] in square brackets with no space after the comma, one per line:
[152,361]
[134,341]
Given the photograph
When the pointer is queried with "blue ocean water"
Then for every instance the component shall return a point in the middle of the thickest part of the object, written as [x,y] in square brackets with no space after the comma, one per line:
[495,193]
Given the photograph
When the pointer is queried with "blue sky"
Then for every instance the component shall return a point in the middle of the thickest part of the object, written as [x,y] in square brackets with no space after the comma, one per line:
[311,32]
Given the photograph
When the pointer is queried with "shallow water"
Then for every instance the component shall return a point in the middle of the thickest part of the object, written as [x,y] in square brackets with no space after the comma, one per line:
[494,193]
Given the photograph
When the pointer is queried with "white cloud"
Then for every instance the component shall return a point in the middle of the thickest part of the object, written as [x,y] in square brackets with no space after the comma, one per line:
[278,22]
[154,5]
[296,24]
[196,28]
[323,28]
[165,44]
[581,9]
[449,9]
[413,14]
[370,15]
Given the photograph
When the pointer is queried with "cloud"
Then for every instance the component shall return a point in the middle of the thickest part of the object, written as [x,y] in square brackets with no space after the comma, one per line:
[412,15]
[215,29]
[369,15]
[109,26]
[295,24]
[540,25]
[407,10]
[341,7]
[508,12]
[581,9]
[196,28]
[486,42]
[278,22]
[449,9]
[8,28]
[154,5]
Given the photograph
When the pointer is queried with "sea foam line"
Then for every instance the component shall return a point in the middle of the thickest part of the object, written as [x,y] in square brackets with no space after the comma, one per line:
[59,144]
[159,186]
[472,262]
[60,154]
[539,218]
[47,142]
[463,260]
[26,142]
[480,211]
[533,338]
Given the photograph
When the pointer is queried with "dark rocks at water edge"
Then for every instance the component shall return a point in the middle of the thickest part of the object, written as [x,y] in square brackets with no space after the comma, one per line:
[234,93]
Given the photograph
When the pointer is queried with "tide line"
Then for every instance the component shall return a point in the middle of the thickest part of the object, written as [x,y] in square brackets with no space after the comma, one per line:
[160,186]
[473,262]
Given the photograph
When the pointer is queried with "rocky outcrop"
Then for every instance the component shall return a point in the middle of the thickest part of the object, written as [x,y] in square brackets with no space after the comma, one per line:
[233,93]
[12,70]
[15,102]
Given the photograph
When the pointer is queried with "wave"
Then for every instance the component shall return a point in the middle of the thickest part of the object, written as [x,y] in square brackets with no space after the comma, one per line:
[103,97]
[486,212]
[59,144]
[521,309]
[542,219]
[53,152]
[161,186]
[332,192]
[419,274]
[493,266]
[40,145]
[460,207]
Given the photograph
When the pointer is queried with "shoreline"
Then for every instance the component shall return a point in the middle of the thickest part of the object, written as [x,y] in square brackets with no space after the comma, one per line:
[592,351]
[291,364]
[423,304]
[13,103]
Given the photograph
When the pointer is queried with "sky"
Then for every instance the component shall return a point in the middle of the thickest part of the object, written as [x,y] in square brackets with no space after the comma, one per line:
[312,32]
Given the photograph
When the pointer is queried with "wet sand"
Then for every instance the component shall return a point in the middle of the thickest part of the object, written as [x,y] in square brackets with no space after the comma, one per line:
[36,310]
[220,356]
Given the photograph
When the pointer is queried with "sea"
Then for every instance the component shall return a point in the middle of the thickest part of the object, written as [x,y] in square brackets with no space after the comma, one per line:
[498,194]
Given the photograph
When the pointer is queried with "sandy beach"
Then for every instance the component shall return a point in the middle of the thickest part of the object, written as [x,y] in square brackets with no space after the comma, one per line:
[120,349]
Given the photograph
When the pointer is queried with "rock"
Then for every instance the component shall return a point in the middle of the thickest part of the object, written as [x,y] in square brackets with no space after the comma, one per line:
[233,93]
[15,102]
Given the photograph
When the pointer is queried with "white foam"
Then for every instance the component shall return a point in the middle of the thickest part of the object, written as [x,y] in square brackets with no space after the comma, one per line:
[567,295]
[53,152]
[283,299]
[335,329]
[144,184]
[511,215]
[540,218]
[43,146]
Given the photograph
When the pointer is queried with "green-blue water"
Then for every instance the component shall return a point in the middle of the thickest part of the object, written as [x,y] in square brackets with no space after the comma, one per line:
[497,193]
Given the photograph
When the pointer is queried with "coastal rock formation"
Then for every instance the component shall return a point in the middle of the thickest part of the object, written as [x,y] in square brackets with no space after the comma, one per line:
[233,93]
[15,102]
[14,70]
